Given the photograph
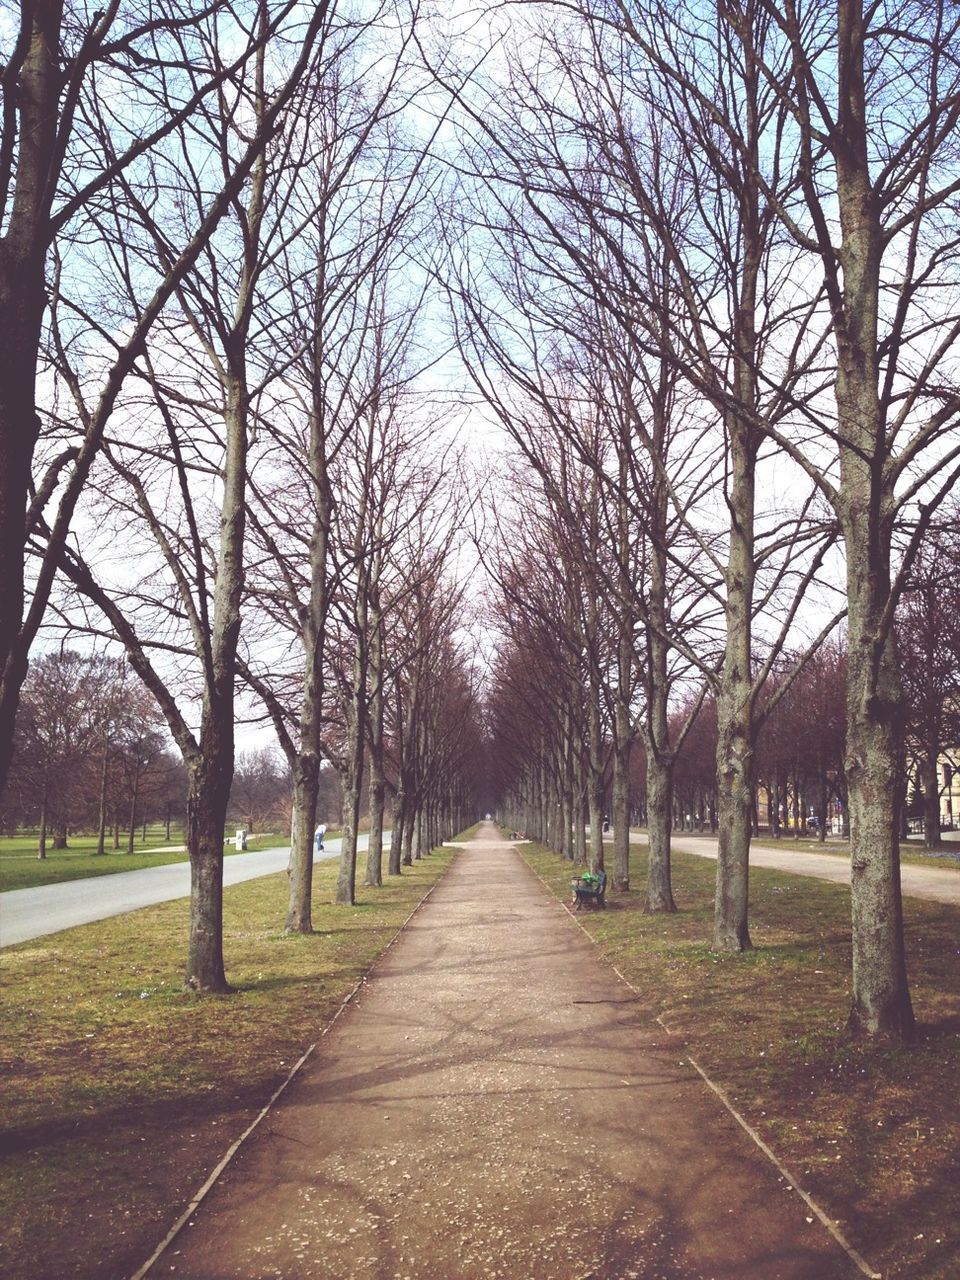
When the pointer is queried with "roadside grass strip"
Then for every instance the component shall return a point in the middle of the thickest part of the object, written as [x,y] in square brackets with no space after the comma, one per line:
[870,1132]
[20,868]
[121,1092]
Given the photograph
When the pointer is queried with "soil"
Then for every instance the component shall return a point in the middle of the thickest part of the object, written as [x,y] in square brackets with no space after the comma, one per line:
[497,1103]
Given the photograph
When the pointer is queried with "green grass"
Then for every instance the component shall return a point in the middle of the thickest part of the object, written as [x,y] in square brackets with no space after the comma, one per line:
[19,872]
[21,869]
[871,1130]
[120,1091]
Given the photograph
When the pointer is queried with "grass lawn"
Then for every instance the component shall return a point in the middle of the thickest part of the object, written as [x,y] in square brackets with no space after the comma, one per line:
[120,1091]
[21,869]
[871,1131]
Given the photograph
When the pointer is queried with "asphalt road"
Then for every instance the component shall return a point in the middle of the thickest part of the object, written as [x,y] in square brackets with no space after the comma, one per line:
[936,884]
[34,913]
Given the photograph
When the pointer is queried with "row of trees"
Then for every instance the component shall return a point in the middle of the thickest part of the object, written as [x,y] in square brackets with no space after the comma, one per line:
[90,752]
[701,263]
[91,755]
[716,310]
[213,283]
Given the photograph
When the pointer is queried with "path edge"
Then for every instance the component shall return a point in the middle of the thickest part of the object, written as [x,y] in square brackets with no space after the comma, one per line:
[830,1224]
[295,1070]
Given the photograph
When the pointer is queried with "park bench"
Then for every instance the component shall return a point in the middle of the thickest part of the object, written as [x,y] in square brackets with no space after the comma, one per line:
[590,888]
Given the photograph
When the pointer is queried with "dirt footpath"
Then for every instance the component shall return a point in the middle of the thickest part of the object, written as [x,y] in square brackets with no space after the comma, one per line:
[498,1104]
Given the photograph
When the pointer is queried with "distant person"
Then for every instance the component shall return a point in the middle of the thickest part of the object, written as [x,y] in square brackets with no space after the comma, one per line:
[606,824]
[320,833]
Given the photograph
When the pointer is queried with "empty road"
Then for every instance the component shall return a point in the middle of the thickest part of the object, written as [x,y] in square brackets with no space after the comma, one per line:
[34,913]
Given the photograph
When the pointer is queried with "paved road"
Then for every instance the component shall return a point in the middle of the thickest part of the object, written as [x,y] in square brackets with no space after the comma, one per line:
[496,1103]
[937,884]
[33,913]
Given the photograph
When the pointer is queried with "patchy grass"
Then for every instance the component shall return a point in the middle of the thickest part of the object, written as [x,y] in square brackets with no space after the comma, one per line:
[872,1131]
[120,1091]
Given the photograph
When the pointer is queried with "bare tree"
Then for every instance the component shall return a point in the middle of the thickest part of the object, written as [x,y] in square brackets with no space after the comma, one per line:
[351,329]
[62,718]
[182,479]
[632,201]
[90,100]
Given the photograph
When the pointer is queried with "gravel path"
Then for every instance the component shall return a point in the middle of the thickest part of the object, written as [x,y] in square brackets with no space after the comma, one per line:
[496,1103]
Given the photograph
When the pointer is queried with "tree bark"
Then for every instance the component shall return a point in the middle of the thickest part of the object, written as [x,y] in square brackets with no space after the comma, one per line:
[932,834]
[352,776]
[659,896]
[735,713]
[23,300]
[101,849]
[134,797]
[306,783]
[397,838]
[42,841]
[881,998]
[377,781]
[207,796]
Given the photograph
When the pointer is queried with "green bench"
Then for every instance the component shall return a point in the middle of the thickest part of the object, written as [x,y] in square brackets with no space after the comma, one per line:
[590,888]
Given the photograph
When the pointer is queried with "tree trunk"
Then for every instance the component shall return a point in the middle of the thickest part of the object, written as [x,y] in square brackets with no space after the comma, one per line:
[306,784]
[621,818]
[595,776]
[408,828]
[735,719]
[352,783]
[347,873]
[581,817]
[42,842]
[660,756]
[101,850]
[377,780]
[397,836]
[659,810]
[623,742]
[207,798]
[132,825]
[23,300]
[735,728]
[881,997]
[378,790]
[774,815]
[566,822]
[932,835]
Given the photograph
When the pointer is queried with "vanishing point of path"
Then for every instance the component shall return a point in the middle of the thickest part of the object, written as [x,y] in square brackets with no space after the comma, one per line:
[497,1103]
